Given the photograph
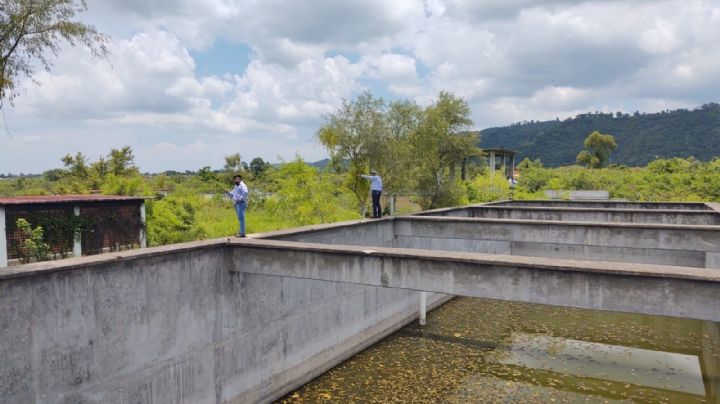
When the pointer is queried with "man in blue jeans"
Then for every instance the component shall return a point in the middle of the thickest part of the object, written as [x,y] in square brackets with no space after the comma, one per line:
[239,196]
[376,186]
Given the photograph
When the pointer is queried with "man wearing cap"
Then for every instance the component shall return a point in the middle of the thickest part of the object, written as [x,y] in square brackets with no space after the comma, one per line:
[376,188]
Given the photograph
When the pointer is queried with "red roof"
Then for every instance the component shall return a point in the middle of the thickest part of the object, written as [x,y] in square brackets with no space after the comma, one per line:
[28,200]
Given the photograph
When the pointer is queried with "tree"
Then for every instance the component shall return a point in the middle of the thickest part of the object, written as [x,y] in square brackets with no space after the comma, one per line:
[529,164]
[367,133]
[121,162]
[76,166]
[598,148]
[356,133]
[75,175]
[233,163]
[440,143]
[206,174]
[258,166]
[31,28]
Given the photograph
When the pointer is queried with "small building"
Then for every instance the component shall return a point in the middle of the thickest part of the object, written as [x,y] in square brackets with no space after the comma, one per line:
[73,225]
[501,159]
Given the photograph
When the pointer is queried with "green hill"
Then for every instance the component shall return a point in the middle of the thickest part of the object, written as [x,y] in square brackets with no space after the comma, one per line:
[640,137]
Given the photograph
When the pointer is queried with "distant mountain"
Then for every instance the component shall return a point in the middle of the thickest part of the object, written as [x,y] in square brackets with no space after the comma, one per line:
[640,137]
[320,163]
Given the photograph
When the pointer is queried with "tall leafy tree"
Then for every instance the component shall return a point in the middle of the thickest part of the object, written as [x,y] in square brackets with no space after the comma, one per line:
[75,175]
[598,148]
[76,166]
[31,30]
[121,161]
[365,134]
[258,166]
[118,174]
[443,140]
[233,163]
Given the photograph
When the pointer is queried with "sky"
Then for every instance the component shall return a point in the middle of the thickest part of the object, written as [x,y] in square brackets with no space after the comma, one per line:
[191,81]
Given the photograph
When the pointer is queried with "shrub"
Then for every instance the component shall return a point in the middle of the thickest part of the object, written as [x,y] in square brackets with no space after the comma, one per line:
[32,247]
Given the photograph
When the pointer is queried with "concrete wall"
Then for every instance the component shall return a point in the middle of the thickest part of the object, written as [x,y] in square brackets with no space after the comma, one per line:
[660,216]
[692,246]
[679,245]
[685,217]
[577,195]
[173,324]
[606,204]
[360,232]
[635,288]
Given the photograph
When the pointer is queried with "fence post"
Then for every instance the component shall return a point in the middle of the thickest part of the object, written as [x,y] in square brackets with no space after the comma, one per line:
[392,204]
[77,241]
[3,240]
[423,308]
[143,226]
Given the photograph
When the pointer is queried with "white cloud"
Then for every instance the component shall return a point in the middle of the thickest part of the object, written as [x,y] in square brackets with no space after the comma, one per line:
[390,66]
[558,98]
[659,39]
[512,60]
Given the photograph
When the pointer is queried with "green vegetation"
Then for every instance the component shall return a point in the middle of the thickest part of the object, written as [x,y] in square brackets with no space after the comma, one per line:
[410,147]
[297,194]
[642,138]
[416,150]
[32,248]
[305,196]
[674,179]
[598,148]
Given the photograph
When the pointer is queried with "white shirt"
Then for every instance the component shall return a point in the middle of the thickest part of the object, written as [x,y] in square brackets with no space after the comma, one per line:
[375,182]
[239,193]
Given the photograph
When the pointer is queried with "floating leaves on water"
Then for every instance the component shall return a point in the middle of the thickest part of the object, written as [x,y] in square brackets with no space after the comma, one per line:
[462,354]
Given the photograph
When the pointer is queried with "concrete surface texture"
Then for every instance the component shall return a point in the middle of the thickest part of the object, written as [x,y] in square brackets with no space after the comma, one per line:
[664,216]
[170,326]
[248,320]
[578,195]
[683,245]
[637,288]
[607,204]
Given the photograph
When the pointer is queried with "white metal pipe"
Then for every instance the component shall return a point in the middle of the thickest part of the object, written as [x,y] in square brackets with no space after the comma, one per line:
[423,308]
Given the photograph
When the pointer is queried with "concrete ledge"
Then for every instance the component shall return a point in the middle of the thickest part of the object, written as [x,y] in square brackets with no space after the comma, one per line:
[693,212]
[88,262]
[100,259]
[539,263]
[585,214]
[575,195]
[318,227]
[606,204]
[713,206]
[638,288]
[699,212]
[661,226]
[679,245]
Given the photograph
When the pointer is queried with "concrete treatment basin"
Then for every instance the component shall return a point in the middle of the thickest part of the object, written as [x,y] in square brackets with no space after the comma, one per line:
[234,320]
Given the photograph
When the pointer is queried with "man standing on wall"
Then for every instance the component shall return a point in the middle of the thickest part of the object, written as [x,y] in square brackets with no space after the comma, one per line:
[376,188]
[239,196]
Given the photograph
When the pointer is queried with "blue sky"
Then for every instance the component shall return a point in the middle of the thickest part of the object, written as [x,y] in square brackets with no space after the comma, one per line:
[221,58]
[189,82]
